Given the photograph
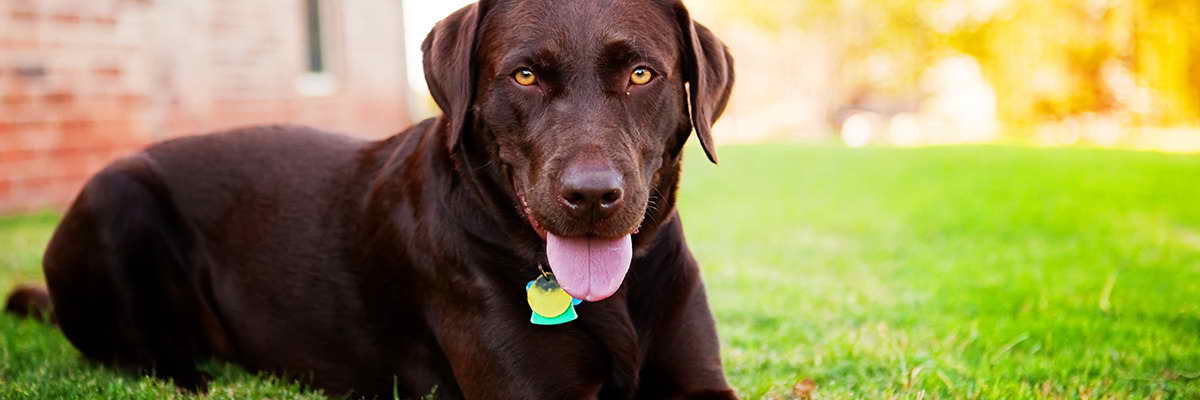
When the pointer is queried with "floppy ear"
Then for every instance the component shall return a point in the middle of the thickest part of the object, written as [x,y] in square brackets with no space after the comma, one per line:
[450,68]
[708,69]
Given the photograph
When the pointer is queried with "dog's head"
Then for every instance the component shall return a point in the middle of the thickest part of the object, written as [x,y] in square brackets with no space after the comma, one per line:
[584,104]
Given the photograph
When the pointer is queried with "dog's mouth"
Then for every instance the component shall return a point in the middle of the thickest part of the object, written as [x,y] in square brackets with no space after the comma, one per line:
[586,267]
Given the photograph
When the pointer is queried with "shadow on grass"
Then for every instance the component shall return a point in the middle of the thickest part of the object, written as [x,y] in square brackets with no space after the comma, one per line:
[36,361]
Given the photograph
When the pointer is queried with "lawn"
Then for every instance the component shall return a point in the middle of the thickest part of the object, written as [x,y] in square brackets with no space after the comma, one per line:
[949,272]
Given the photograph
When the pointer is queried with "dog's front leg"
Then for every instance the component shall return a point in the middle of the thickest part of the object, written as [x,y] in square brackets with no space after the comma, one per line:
[684,361]
[495,353]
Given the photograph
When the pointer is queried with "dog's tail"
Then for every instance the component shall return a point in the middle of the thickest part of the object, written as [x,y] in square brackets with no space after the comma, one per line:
[30,302]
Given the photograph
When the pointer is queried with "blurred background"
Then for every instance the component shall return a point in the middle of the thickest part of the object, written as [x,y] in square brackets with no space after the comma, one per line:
[84,81]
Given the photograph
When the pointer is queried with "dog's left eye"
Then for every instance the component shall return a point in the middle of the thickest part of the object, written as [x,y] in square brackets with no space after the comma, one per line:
[525,77]
[641,76]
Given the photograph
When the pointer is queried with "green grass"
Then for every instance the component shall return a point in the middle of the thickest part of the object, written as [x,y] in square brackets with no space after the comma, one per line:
[952,272]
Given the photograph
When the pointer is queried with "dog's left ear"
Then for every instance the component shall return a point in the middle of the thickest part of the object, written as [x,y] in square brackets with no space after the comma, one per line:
[708,68]
[449,63]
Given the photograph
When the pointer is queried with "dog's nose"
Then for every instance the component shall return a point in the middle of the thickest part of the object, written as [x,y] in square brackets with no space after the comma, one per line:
[590,191]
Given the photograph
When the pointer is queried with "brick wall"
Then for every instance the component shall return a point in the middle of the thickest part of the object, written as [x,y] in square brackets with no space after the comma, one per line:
[85,81]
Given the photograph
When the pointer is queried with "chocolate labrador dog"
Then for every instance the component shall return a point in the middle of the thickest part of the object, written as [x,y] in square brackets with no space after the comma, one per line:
[403,265]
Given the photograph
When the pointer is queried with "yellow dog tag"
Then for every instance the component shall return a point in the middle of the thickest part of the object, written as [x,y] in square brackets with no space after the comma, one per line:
[550,304]
[546,298]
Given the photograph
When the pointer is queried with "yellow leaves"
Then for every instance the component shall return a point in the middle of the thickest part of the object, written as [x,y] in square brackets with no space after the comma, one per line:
[804,389]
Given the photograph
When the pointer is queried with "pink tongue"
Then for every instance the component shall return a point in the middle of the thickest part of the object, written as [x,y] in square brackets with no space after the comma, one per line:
[589,268]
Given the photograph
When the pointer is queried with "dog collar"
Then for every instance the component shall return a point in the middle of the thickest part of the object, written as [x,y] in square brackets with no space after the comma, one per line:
[551,305]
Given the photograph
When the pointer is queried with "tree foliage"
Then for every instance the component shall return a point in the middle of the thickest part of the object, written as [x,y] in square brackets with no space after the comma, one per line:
[1046,60]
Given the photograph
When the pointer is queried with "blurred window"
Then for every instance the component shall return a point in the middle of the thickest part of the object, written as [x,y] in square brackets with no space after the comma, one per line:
[316,56]
[318,79]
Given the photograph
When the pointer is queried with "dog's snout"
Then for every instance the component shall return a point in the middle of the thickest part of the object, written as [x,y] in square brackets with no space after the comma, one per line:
[592,191]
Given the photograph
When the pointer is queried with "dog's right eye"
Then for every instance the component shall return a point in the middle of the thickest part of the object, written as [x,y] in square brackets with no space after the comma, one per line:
[641,76]
[525,77]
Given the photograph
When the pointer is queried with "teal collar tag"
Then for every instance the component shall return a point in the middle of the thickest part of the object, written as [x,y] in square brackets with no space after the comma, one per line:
[550,304]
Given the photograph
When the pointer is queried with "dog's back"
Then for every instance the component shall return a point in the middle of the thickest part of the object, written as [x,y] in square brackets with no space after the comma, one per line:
[130,268]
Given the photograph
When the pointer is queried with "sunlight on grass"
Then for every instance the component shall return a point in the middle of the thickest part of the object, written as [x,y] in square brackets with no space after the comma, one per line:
[951,271]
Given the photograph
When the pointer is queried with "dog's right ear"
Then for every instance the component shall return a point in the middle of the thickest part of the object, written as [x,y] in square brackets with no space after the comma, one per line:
[449,53]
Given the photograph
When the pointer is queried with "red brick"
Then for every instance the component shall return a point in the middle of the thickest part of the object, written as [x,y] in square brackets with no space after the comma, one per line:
[12,156]
[133,99]
[57,128]
[25,169]
[77,165]
[12,127]
[67,151]
[98,133]
[23,15]
[66,18]
[30,72]
[108,72]
[104,20]
[53,165]
[12,44]
[36,194]
[31,139]
[60,97]
[70,126]
[17,99]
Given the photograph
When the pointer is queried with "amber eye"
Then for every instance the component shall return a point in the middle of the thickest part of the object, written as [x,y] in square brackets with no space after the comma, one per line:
[641,76]
[525,77]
